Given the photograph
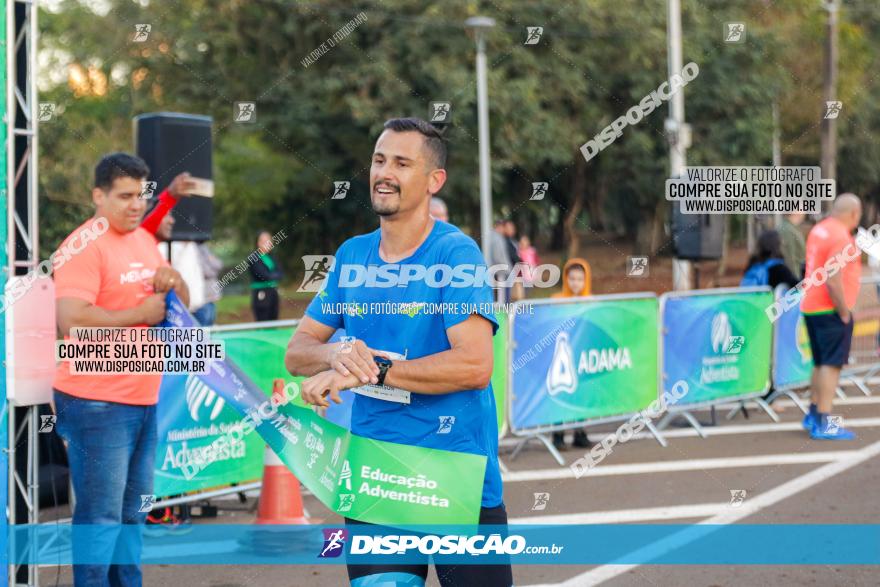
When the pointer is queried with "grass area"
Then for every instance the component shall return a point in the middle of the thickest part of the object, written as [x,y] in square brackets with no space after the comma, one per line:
[236,307]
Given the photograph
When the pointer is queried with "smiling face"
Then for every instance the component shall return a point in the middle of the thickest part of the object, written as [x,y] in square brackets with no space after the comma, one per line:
[121,205]
[403,176]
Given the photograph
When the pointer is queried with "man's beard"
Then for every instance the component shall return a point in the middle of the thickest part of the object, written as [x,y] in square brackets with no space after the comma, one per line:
[387,205]
[386,208]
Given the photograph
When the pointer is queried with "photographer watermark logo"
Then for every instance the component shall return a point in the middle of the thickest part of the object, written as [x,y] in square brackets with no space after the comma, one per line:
[737,497]
[637,266]
[539,190]
[317,268]
[835,423]
[148,190]
[334,542]
[541,501]
[561,378]
[533,35]
[244,112]
[47,423]
[734,32]
[142,32]
[446,423]
[340,190]
[833,108]
[734,344]
[346,500]
[46,111]
[440,112]
[147,502]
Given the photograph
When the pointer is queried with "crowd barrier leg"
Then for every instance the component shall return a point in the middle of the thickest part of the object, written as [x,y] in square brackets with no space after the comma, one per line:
[790,394]
[687,416]
[547,443]
[840,393]
[658,436]
[762,403]
[862,382]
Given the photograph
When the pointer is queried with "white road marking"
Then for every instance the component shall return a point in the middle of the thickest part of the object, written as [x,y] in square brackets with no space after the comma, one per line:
[683,465]
[677,512]
[728,516]
[727,430]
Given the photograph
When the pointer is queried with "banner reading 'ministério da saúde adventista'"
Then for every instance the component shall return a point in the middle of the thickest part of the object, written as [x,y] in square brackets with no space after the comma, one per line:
[583,360]
[368,480]
[191,416]
[718,342]
[792,357]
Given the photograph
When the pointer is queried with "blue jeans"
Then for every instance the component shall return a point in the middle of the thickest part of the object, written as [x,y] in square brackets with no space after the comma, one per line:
[111,448]
[206,315]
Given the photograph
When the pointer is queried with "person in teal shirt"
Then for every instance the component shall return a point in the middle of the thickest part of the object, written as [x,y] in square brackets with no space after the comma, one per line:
[265,275]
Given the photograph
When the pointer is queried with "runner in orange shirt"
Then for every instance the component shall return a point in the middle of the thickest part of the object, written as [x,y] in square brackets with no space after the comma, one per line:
[827,309]
[118,279]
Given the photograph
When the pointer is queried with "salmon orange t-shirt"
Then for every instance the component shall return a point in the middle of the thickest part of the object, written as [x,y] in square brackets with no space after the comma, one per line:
[827,239]
[115,272]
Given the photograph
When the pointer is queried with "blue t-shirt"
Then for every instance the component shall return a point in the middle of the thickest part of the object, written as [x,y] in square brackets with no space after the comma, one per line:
[416,333]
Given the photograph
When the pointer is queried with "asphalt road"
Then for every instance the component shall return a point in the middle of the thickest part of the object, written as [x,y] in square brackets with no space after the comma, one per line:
[787,479]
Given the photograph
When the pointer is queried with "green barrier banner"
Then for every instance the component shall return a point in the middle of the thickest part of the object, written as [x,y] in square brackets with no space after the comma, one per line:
[368,480]
[718,343]
[191,417]
[583,360]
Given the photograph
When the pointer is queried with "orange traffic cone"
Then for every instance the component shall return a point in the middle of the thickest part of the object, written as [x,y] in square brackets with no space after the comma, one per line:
[280,499]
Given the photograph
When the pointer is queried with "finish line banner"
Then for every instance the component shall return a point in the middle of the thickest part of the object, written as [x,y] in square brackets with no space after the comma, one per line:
[581,360]
[367,480]
[718,342]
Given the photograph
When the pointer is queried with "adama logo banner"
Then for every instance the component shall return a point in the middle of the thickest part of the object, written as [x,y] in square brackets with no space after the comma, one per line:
[582,360]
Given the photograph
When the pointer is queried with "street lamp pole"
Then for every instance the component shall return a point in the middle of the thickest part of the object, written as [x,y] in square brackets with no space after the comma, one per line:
[480,26]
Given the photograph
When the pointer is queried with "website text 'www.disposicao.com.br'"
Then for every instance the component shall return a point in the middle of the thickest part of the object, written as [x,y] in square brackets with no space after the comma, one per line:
[750,206]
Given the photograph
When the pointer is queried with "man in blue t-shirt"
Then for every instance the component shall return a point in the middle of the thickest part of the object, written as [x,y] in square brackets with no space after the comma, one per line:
[414,296]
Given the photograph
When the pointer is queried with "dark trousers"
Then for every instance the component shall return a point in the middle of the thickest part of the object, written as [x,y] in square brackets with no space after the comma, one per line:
[449,575]
[111,449]
[264,303]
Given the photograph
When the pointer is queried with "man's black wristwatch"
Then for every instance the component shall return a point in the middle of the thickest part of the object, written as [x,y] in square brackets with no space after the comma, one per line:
[383,364]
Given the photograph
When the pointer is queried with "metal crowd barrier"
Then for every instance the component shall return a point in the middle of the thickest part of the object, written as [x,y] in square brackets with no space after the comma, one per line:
[864,361]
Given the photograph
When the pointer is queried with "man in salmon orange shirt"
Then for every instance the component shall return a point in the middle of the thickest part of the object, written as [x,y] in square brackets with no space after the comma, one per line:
[827,309]
[118,279]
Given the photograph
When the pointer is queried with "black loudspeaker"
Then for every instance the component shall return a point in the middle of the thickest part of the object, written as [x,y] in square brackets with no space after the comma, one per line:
[697,236]
[172,143]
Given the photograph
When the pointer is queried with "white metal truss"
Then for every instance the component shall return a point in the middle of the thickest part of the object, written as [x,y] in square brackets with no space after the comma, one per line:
[22,234]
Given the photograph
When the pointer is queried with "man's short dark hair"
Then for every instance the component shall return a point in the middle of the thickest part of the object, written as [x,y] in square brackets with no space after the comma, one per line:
[117,165]
[434,141]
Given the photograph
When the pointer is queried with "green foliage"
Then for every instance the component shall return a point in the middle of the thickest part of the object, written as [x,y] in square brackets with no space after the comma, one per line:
[317,124]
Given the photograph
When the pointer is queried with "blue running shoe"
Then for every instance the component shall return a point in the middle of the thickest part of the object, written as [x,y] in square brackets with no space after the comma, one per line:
[831,432]
[808,422]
